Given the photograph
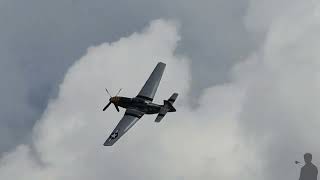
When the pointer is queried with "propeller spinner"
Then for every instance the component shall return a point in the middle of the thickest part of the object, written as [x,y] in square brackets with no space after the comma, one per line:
[112,100]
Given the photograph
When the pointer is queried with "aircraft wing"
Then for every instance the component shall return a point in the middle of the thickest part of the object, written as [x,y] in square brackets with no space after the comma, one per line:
[150,87]
[130,117]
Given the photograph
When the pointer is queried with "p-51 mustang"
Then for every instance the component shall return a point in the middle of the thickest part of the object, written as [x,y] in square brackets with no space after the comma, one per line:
[140,105]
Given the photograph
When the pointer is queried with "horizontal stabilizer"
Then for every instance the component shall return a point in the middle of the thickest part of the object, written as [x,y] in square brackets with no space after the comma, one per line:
[162,113]
[173,98]
[167,107]
[159,118]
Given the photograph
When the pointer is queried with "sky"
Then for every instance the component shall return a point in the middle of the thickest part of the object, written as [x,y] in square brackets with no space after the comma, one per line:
[246,71]
[40,40]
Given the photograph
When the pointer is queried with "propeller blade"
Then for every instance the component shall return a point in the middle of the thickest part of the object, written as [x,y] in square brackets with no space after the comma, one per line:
[116,107]
[108,92]
[106,106]
[118,92]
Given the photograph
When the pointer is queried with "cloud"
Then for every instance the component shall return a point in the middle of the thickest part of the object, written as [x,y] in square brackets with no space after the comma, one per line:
[253,127]
[280,112]
[192,143]
[40,45]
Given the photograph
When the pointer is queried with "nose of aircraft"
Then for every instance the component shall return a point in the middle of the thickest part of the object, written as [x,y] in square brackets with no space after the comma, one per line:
[113,100]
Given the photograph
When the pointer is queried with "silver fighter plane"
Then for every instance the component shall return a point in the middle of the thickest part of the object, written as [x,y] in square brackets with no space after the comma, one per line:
[142,104]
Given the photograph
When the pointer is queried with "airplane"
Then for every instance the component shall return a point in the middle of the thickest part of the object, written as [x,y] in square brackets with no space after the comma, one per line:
[142,104]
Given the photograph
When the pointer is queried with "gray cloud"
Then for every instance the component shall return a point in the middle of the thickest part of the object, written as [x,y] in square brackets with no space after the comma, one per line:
[11,81]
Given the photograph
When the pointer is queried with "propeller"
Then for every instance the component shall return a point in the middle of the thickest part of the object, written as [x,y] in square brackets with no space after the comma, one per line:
[117,108]
[108,92]
[110,101]
[118,91]
[106,106]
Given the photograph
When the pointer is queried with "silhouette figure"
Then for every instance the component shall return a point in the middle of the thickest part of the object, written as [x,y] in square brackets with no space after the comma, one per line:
[309,171]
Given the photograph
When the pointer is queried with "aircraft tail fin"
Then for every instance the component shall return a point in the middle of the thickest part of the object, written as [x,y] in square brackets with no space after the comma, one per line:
[167,107]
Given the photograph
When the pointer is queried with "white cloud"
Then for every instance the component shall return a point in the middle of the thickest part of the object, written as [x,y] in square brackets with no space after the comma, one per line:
[280,111]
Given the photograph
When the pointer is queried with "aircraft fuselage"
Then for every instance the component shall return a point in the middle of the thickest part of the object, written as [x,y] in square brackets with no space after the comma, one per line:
[137,103]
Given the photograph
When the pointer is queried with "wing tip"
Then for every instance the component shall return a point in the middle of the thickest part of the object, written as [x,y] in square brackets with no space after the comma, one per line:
[107,143]
[161,64]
